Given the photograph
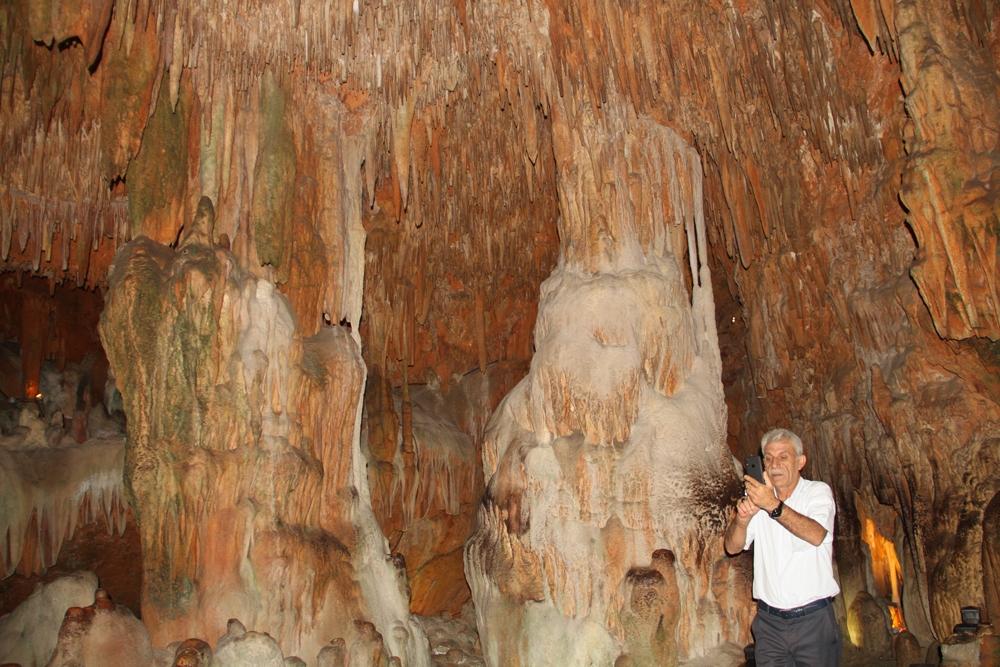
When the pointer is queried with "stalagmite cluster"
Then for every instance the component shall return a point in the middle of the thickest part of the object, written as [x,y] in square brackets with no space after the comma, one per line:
[460,308]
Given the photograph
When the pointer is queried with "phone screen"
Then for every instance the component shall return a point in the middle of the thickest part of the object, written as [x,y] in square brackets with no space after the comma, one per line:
[754,468]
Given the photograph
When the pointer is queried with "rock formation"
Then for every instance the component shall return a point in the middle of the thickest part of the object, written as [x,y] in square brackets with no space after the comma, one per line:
[391,184]
[42,492]
[243,458]
[102,633]
[424,455]
[607,467]
[29,635]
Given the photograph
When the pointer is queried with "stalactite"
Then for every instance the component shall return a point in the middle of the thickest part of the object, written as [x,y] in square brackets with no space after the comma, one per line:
[41,513]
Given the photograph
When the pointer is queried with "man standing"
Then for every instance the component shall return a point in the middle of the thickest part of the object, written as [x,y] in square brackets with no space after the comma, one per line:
[790,521]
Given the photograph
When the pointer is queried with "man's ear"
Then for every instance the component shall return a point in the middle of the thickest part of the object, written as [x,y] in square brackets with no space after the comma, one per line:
[801,461]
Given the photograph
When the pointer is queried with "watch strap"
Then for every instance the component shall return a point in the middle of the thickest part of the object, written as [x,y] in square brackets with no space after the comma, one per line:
[776,512]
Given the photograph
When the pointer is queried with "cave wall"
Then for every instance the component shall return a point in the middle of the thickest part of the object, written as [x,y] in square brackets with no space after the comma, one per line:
[413,172]
[840,326]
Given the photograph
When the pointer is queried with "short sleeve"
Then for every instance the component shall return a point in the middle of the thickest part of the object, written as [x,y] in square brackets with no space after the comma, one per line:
[822,509]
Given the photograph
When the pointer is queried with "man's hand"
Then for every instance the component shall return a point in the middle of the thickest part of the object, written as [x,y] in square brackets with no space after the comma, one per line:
[736,534]
[745,509]
[761,495]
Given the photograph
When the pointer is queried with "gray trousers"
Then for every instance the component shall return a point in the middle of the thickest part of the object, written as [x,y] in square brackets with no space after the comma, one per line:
[812,640]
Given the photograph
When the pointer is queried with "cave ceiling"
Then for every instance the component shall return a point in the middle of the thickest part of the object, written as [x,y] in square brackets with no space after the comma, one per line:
[118,116]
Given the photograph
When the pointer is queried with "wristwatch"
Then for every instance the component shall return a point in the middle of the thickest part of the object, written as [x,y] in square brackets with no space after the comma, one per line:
[776,512]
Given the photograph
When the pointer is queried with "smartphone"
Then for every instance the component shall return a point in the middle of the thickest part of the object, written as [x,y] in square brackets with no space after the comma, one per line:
[754,468]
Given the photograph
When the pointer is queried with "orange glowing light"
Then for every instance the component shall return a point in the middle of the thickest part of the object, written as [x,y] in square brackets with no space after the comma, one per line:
[896,617]
[886,569]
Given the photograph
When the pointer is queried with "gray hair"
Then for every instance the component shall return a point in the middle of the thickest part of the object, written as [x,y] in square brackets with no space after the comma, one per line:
[783,435]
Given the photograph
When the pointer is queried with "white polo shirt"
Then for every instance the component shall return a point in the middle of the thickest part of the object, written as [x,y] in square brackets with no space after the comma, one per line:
[788,571]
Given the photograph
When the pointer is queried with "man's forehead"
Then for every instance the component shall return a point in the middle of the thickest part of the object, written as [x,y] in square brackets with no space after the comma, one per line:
[781,444]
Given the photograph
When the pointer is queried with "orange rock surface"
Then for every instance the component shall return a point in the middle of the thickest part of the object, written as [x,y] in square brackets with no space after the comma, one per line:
[402,178]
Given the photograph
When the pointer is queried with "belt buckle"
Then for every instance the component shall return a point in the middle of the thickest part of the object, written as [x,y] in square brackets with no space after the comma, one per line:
[815,605]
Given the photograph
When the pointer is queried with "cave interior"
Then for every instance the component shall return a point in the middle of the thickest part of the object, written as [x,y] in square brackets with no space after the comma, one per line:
[362,332]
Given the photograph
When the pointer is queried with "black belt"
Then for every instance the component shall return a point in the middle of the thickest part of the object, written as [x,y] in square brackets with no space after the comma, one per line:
[795,612]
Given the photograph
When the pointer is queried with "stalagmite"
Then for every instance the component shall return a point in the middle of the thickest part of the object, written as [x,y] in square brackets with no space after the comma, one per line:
[102,633]
[226,504]
[28,635]
[611,450]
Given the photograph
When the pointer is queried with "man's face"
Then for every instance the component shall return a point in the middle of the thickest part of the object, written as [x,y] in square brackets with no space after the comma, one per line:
[783,464]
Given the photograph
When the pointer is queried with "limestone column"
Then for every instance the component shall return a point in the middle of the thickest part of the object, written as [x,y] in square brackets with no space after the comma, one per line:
[242,458]
[608,474]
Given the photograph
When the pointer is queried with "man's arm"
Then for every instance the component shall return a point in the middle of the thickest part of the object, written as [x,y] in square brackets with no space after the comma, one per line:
[798,524]
[736,533]
[801,526]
